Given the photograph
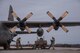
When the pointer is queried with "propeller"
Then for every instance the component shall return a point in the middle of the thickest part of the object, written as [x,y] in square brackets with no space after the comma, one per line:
[50,28]
[22,22]
[63,27]
[27,28]
[57,23]
[63,15]
[15,15]
[27,17]
[50,15]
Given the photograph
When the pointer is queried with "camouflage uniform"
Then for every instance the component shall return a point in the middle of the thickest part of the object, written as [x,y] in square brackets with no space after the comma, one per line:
[18,43]
[52,42]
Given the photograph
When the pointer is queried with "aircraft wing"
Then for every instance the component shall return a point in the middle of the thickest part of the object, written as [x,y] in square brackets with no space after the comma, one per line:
[25,32]
[35,24]
[9,24]
[71,23]
[47,24]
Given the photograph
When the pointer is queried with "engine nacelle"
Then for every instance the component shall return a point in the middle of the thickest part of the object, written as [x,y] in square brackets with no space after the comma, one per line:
[21,25]
[40,32]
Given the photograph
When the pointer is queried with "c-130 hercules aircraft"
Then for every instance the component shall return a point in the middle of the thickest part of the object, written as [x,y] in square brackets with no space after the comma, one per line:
[8,28]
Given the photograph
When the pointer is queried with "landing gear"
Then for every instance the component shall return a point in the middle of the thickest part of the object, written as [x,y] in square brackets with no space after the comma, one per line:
[6,46]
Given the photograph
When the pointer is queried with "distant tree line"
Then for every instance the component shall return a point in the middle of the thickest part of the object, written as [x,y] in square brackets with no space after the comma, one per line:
[68,45]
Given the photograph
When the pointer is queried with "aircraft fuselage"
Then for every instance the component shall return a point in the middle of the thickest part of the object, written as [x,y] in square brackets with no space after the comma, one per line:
[5,36]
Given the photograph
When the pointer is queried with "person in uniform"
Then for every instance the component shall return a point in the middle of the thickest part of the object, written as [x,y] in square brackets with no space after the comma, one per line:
[18,42]
[52,43]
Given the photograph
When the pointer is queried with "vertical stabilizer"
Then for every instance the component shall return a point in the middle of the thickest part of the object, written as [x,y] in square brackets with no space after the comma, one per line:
[10,16]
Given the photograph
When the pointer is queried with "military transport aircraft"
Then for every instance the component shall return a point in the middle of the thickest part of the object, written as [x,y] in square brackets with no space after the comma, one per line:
[8,32]
[8,28]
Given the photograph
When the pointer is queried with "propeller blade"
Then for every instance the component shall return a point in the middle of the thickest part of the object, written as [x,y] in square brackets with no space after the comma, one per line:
[28,16]
[50,28]
[13,29]
[27,28]
[63,15]
[50,15]
[63,27]
[15,15]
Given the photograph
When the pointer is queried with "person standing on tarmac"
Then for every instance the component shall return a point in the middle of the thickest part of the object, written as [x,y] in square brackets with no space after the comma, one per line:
[52,43]
[18,42]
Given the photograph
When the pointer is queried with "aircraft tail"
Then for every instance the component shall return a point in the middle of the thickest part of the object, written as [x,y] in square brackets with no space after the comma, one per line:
[10,16]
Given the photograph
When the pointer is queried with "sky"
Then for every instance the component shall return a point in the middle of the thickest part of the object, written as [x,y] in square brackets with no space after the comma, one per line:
[39,9]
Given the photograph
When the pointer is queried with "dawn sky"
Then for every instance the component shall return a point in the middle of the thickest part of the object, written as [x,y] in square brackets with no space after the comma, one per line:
[39,9]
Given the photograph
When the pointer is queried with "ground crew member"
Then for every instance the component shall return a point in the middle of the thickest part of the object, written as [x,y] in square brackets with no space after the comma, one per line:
[52,43]
[18,42]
